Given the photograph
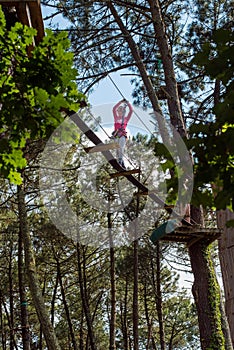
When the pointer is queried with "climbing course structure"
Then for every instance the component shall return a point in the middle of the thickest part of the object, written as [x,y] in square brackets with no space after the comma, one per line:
[184,232]
[28,12]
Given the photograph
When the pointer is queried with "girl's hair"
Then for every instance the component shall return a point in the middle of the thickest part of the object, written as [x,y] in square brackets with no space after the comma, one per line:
[123,107]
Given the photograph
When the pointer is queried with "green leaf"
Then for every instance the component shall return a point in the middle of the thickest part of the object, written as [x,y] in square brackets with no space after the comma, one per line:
[15,159]
[2,22]
[15,177]
[33,94]
[41,96]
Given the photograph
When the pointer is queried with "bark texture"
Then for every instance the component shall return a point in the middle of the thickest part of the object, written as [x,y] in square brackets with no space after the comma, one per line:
[34,285]
[226,256]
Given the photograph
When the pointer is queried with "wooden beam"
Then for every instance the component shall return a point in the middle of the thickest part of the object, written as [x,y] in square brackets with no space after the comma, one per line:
[36,19]
[23,13]
[198,230]
[114,163]
[102,147]
[148,193]
[28,13]
[125,173]
[191,235]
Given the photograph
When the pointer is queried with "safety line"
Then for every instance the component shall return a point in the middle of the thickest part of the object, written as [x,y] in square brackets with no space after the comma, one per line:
[91,114]
[116,87]
[124,156]
[121,94]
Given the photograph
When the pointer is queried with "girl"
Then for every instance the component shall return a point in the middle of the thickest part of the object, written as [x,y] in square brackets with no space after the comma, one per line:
[120,123]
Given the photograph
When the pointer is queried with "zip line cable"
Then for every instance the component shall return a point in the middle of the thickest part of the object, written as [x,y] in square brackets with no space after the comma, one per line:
[116,86]
[136,114]
[121,94]
[91,114]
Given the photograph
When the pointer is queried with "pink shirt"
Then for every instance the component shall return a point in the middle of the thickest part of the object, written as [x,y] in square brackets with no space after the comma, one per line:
[119,121]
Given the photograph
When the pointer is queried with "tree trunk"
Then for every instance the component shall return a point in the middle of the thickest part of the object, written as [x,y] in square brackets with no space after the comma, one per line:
[158,294]
[159,298]
[34,285]
[226,328]
[149,324]
[135,297]
[84,298]
[150,345]
[226,256]
[81,332]
[66,308]
[170,79]
[123,313]
[11,301]
[2,324]
[8,317]
[113,300]
[26,339]
[206,291]
[113,288]
[53,300]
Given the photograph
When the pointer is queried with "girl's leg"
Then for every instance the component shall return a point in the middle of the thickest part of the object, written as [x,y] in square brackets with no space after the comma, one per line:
[120,152]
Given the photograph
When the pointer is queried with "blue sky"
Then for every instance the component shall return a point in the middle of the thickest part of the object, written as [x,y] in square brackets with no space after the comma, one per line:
[104,91]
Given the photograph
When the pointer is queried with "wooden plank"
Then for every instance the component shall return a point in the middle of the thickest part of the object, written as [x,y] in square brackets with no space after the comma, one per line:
[114,163]
[125,173]
[191,235]
[198,231]
[193,241]
[147,193]
[102,147]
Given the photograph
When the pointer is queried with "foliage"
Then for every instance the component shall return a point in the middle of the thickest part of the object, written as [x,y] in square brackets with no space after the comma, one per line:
[35,82]
[217,341]
[54,250]
[212,142]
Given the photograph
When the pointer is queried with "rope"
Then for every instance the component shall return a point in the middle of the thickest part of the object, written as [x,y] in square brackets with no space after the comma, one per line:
[124,156]
[139,118]
[121,94]
[116,86]
[91,114]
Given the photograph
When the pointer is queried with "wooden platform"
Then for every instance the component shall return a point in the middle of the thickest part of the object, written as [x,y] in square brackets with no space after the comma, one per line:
[125,173]
[146,193]
[102,147]
[192,234]
[28,13]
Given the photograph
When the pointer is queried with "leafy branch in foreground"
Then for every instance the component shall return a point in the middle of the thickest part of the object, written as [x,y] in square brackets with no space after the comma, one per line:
[35,82]
[212,142]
